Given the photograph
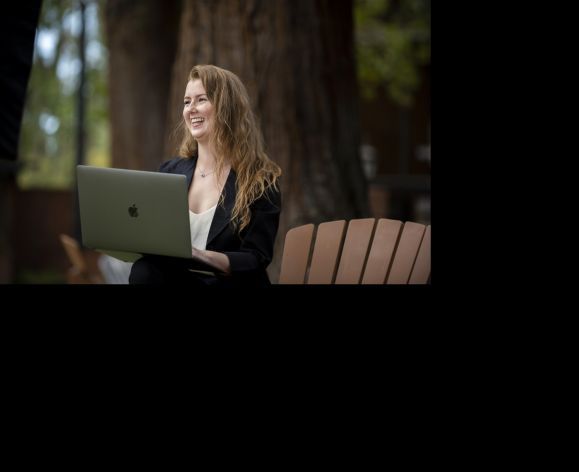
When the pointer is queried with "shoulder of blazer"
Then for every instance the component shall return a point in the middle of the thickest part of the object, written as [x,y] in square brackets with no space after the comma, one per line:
[177,165]
[271,198]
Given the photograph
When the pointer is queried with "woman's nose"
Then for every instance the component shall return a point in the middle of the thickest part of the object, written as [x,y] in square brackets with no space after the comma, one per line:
[190,108]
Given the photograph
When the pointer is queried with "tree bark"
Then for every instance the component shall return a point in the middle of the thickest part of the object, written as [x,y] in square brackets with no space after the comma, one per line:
[297,60]
[142,40]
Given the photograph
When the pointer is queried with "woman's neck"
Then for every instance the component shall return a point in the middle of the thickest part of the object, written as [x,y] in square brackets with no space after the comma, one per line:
[206,158]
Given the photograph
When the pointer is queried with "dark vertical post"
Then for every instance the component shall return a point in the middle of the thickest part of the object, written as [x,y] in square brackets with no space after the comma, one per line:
[17,31]
[80,117]
[406,195]
[404,153]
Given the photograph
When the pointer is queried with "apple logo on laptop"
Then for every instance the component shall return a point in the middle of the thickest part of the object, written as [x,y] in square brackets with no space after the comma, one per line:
[133,211]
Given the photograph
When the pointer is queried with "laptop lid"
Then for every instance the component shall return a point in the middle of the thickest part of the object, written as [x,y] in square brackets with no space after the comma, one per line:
[126,213]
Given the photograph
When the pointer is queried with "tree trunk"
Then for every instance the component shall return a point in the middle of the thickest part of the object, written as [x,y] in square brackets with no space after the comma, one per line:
[142,39]
[297,60]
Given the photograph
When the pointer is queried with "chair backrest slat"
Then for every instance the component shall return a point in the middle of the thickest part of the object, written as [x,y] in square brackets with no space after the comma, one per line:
[370,252]
[406,253]
[421,270]
[380,256]
[326,251]
[296,252]
[74,253]
[354,251]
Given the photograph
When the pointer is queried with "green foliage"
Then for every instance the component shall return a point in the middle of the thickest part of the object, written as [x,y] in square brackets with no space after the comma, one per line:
[47,139]
[392,43]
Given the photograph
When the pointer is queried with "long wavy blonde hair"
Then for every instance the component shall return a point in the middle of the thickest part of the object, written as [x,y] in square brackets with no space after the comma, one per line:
[236,137]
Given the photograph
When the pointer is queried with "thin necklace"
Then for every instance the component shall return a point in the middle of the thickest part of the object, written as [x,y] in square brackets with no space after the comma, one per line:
[205,174]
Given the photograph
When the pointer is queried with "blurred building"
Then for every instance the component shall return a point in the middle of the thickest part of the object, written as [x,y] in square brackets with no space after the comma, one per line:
[395,153]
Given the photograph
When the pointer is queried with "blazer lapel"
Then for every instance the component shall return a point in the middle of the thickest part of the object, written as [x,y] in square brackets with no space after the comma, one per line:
[189,169]
[223,212]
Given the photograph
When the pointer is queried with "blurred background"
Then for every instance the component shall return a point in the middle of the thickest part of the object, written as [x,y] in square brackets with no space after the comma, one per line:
[341,87]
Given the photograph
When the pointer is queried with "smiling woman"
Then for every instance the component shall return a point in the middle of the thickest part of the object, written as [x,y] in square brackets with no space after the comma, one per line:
[198,111]
[234,196]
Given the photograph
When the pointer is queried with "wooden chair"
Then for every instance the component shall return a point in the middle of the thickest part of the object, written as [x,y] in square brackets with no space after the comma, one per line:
[366,251]
[79,272]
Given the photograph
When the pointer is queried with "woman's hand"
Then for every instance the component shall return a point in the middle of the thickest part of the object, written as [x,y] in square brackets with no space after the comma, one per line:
[214,259]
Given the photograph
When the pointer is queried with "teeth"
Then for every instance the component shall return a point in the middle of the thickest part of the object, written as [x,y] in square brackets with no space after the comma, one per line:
[197,120]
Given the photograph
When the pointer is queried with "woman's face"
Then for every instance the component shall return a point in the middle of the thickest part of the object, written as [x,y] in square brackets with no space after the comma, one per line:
[198,111]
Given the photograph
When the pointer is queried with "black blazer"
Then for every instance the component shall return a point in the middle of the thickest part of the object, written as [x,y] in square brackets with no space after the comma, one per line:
[251,251]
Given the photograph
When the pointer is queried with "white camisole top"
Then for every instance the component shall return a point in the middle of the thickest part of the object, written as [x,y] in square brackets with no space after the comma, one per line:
[200,224]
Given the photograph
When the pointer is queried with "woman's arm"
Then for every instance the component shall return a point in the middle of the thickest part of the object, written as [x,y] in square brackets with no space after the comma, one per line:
[256,250]
[215,259]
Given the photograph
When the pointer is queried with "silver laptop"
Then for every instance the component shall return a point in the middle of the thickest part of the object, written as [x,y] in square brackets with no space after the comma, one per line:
[127,213]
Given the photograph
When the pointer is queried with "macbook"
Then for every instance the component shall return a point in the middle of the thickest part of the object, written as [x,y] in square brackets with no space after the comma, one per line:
[127,213]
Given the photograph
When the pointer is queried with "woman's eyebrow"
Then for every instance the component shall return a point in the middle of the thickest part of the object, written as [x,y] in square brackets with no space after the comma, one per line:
[199,95]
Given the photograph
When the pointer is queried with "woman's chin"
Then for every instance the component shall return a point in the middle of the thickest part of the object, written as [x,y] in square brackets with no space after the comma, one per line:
[196,134]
